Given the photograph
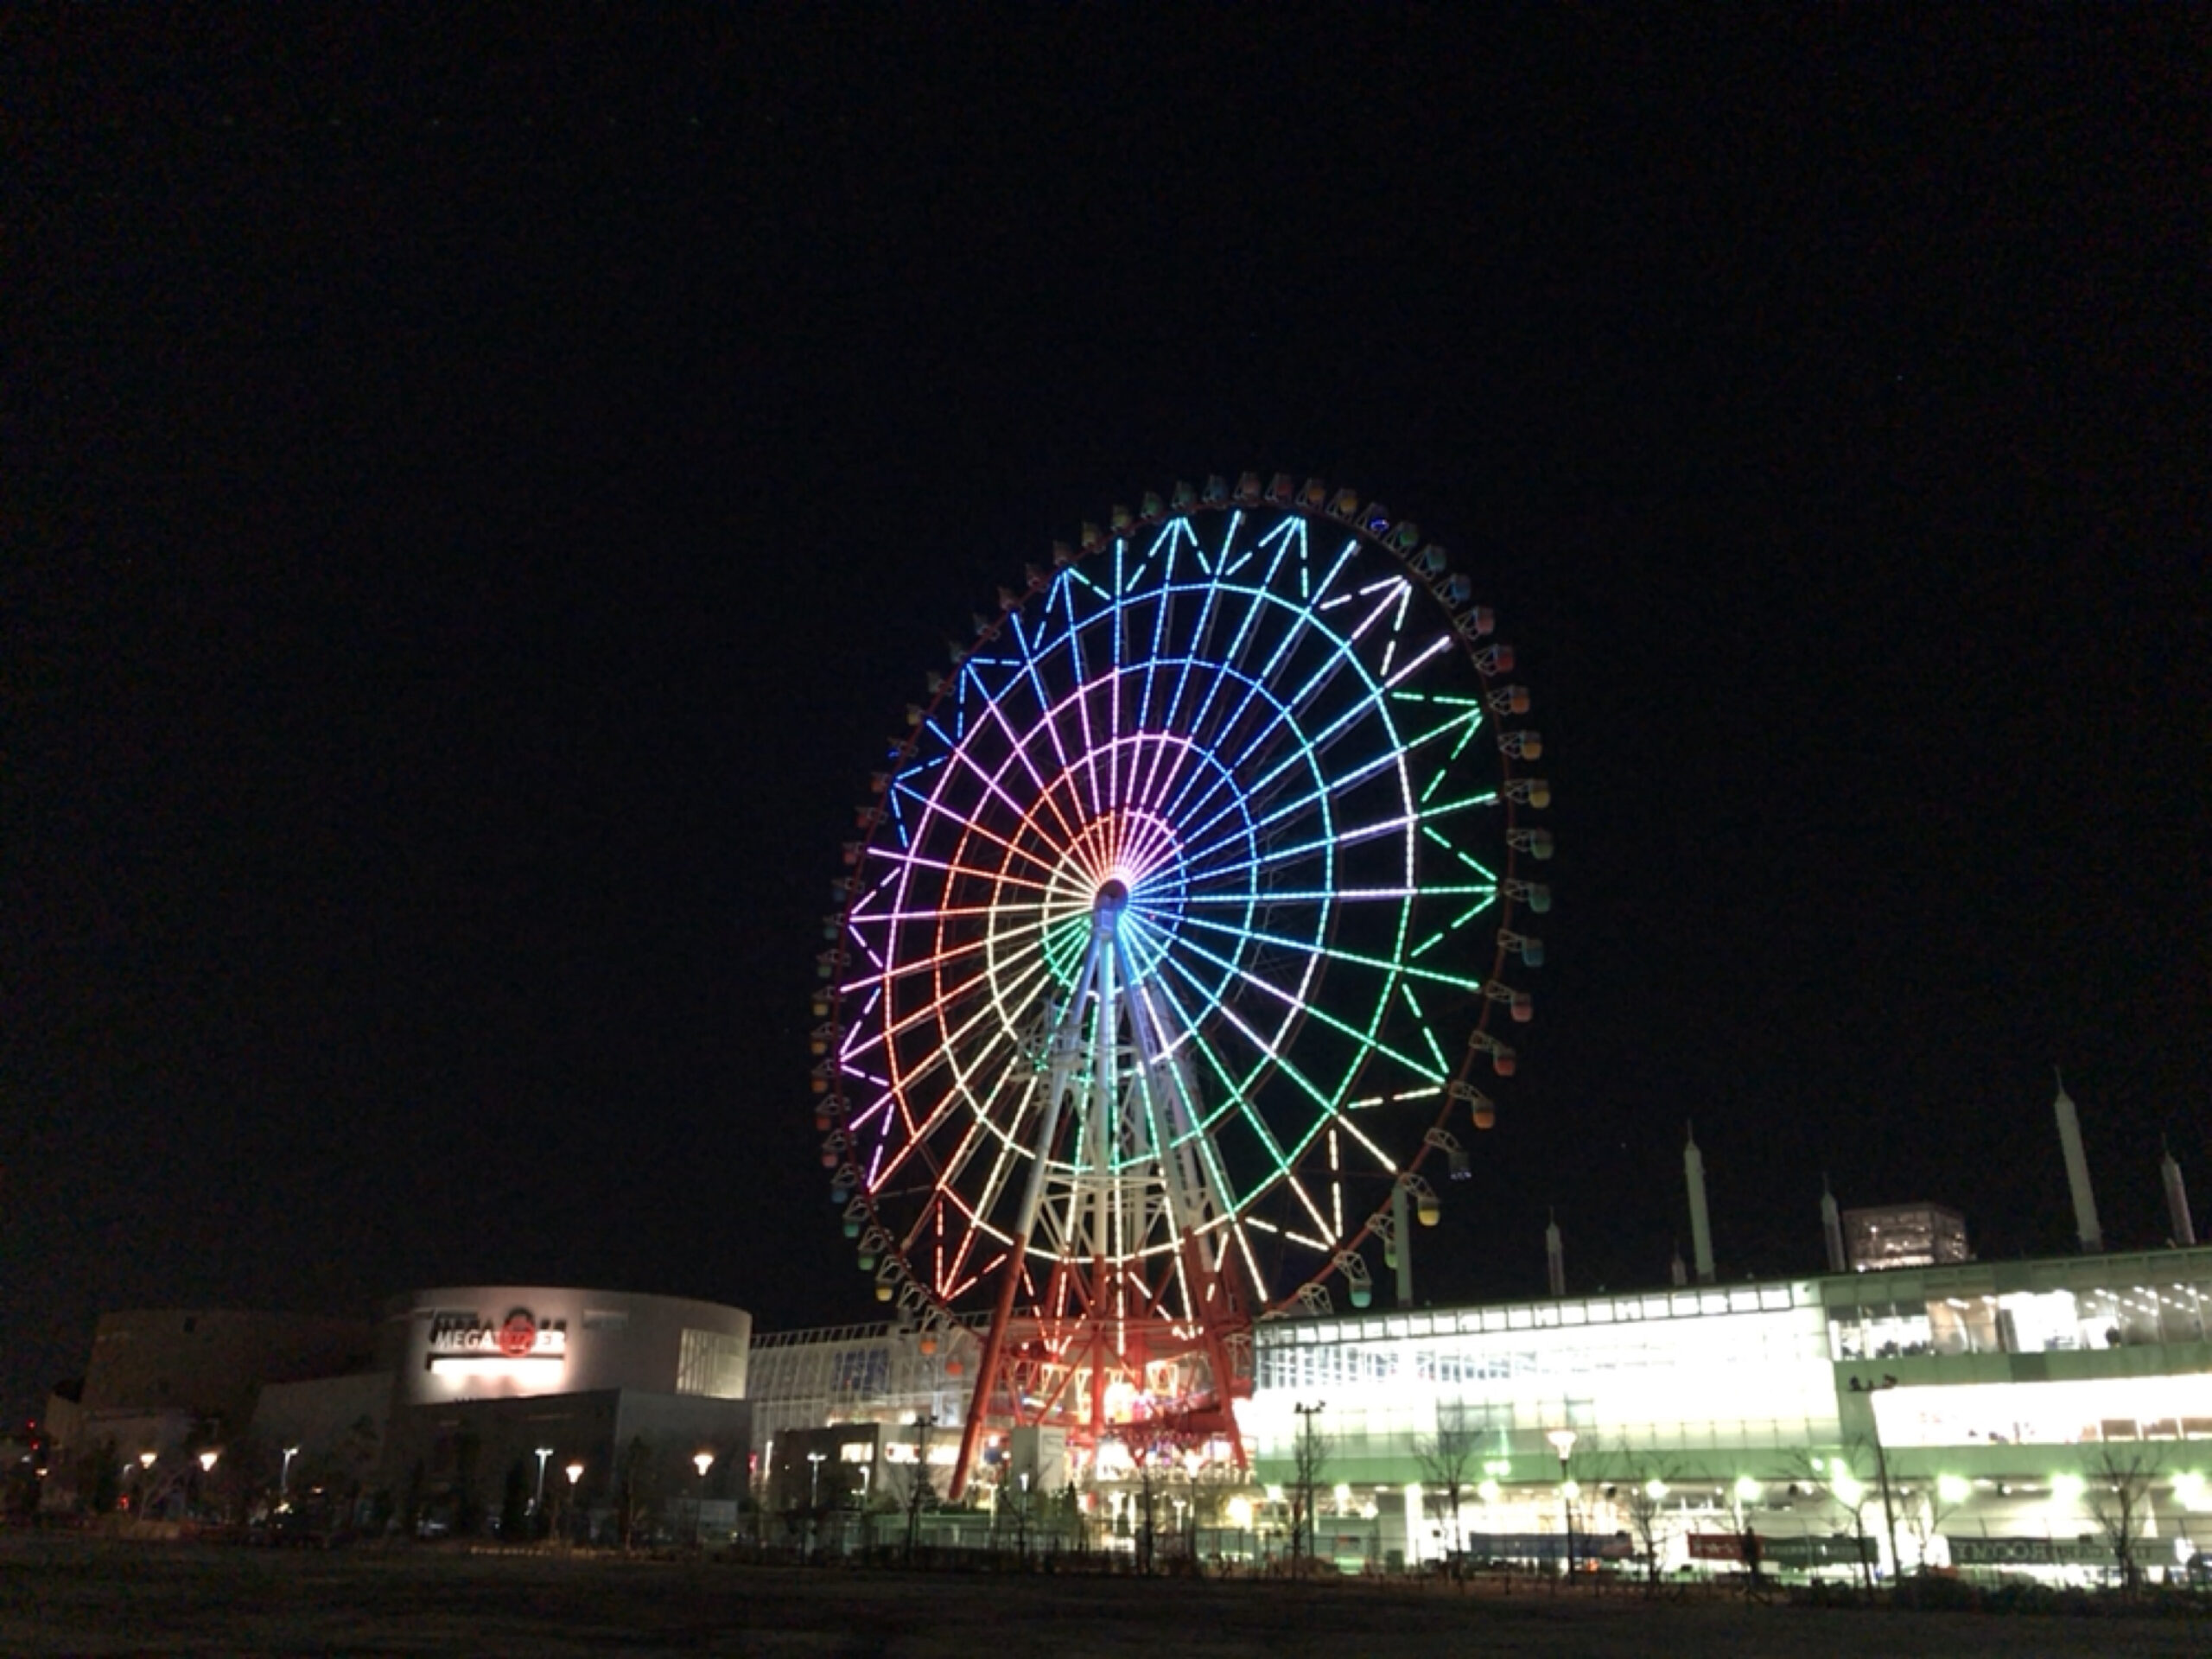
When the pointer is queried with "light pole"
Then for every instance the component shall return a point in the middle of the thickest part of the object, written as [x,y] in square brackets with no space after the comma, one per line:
[1562,1441]
[919,1488]
[537,1503]
[207,1461]
[1865,1386]
[574,1472]
[701,1460]
[146,1461]
[814,1462]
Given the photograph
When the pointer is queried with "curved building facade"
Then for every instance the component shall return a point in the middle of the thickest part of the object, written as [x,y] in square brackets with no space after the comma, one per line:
[514,1342]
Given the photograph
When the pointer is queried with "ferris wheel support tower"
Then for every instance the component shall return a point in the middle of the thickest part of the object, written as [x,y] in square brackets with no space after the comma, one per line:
[1117,1117]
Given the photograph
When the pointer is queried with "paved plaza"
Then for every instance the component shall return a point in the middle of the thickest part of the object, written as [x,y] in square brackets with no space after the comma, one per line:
[72,1596]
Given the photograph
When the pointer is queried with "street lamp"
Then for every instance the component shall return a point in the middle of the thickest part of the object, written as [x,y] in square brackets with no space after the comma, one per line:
[574,1472]
[814,1461]
[284,1474]
[537,1503]
[146,1461]
[1869,1388]
[207,1461]
[702,1461]
[1562,1441]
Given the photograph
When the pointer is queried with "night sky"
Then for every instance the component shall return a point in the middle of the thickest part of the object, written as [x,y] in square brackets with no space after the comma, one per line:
[467,532]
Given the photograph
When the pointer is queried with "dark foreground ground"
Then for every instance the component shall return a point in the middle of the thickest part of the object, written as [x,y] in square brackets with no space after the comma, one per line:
[69,1597]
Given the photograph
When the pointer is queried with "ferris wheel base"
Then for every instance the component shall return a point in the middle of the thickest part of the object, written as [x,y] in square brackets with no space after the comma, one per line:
[1150,1384]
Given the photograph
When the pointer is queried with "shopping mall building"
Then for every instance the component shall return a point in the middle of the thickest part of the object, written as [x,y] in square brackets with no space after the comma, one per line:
[1971,1415]
[1977,1414]
[435,1407]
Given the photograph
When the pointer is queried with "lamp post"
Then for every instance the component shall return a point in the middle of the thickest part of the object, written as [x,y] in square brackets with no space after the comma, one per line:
[284,1474]
[918,1488]
[146,1461]
[207,1461]
[814,1462]
[537,1503]
[1866,1386]
[574,1472]
[702,1461]
[1562,1441]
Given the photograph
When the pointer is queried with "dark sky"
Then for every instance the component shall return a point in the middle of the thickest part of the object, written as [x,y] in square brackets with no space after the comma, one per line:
[467,532]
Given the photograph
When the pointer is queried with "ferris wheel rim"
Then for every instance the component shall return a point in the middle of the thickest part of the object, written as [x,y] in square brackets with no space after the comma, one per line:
[1372,536]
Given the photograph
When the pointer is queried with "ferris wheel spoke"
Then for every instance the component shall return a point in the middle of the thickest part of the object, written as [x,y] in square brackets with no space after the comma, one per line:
[1045,795]
[1048,706]
[1383,1161]
[991,1187]
[1162,608]
[1188,658]
[911,861]
[1366,1040]
[1302,622]
[971,826]
[1081,698]
[1231,655]
[1340,654]
[1370,704]
[1236,1091]
[1333,953]
[937,959]
[1279,1063]
[1336,895]
[1460,726]
[904,1083]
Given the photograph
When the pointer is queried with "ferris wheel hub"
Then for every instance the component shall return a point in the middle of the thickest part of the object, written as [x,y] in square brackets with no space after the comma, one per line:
[1110,896]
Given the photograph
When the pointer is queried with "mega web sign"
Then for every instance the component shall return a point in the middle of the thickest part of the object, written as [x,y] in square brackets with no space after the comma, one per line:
[459,1335]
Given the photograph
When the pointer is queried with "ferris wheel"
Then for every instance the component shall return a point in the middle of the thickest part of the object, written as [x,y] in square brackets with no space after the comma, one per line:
[1174,947]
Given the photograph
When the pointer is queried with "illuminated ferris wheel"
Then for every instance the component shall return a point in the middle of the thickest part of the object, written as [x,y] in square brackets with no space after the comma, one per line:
[1174,945]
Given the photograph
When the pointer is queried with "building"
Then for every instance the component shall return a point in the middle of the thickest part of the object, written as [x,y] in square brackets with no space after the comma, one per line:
[624,1390]
[1969,1414]
[880,1373]
[438,1411]
[1904,1235]
[163,1385]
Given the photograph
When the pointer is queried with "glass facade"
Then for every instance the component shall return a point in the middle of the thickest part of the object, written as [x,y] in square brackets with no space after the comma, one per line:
[2119,1315]
[1745,1365]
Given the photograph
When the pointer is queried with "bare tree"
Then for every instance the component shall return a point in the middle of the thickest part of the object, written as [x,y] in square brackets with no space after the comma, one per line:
[1445,1458]
[1309,1461]
[1147,1499]
[1925,1519]
[915,1489]
[1836,1479]
[2118,1496]
[637,1490]
[1643,1483]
